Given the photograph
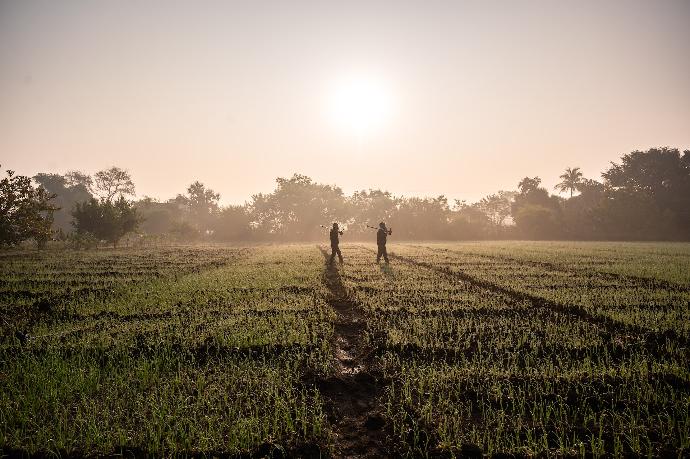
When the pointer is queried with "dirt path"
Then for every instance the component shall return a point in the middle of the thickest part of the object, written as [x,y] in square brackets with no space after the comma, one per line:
[352,394]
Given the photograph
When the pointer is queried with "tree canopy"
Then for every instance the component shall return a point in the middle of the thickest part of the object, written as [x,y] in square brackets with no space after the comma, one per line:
[106,220]
[68,191]
[26,212]
[644,196]
[113,182]
[571,178]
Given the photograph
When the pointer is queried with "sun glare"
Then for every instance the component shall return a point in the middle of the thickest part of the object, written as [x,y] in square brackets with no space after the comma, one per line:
[360,105]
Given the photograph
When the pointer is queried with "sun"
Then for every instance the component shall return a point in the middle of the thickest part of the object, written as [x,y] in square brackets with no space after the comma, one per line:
[360,105]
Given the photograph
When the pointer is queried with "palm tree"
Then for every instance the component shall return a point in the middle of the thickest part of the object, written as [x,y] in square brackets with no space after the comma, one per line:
[571,178]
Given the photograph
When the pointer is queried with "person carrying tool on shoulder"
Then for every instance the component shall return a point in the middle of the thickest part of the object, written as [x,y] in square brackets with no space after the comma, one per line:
[335,241]
[381,236]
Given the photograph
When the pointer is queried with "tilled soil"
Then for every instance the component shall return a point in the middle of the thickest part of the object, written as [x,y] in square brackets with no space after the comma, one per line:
[352,394]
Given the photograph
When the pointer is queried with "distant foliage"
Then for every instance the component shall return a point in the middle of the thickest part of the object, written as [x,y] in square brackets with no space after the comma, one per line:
[83,240]
[112,183]
[571,178]
[421,218]
[371,206]
[537,214]
[69,189]
[496,207]
[200,207]
[232,224]
[185,231]
[644,197]
[106,220]
[538,221]
[296,208]
[157,218]
[26,212]
[656,185]
[78,187]
[528,185]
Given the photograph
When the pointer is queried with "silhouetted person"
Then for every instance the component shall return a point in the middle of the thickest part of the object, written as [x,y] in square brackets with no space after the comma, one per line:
[335,240]
[381,236]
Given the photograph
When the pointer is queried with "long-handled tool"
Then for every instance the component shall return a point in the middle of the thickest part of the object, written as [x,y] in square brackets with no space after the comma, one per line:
[390,230]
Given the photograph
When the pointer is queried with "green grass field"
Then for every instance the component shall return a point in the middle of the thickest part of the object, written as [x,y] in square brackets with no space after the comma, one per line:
[523,348]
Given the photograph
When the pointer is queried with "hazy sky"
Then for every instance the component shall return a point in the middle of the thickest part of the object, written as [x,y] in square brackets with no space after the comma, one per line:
[477,94]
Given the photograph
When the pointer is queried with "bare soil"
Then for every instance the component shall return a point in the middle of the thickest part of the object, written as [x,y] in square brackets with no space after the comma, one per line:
[353,393]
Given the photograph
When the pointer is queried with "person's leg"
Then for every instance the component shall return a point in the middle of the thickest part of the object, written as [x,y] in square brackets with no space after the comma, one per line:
[378,255]
[333,250]
[340,255]
[385,254]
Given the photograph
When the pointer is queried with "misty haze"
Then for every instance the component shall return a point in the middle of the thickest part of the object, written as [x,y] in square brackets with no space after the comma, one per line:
[358,230]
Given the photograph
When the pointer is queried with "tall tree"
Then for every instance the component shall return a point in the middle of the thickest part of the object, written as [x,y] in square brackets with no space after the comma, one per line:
[297,208]
[658,172]
[570,180]
[657,179]
[113,182]
[369,208]
[68,191]
[201,205]
[25,212]
[199,199]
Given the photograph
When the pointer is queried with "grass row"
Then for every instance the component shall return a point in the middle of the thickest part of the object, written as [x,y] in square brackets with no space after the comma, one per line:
[202,362]
[477,369]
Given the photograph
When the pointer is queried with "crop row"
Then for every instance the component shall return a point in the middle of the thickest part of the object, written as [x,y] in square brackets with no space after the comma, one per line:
[639,303]
[477,368]
[203,362]
[657,262]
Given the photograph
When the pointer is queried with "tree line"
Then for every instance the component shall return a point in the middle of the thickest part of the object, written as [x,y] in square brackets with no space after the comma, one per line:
[644,196]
